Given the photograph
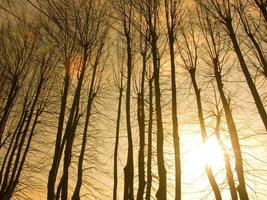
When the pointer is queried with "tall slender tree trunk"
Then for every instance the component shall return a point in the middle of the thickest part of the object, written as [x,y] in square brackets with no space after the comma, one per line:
[246,72]
[141,123]
[162,188]
[12,141]
[227,162]
[209,172]
[16,178]
[12,155]
[71,127]
[233,135]
[176,139]
[11,178]
[91,96]
[68,155]
[25,131]
[149,141]
[57,155]
[7,108]
[115,172]
[260,53]
[129,168]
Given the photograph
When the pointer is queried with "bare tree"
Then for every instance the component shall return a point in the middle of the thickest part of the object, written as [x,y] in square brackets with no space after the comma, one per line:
[216,56]
[33,79]
[223,12]
[93,91]
[149,135]
[189,55]
[84,31]
[56,100]
[250,27]
[217,113]
[150,10]
[14,68]
[119,84]
[141,119]
[173,12]
[125,14]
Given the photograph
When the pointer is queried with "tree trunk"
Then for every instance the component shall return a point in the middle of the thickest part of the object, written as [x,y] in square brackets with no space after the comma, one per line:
[209,172]
[233,135]
[141,123]
[9,104]
[57,155]
[176,139]
[260,53]
[129,168]
[115,172]
[162,188]
[10,183]
[91,96]
[149,145]
[11,149]
[246,72]
[71,127]
[229,173]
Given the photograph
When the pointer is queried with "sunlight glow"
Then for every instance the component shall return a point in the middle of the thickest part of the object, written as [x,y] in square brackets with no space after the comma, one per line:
[75,65]
[212,154]
[209,153]
[195,157]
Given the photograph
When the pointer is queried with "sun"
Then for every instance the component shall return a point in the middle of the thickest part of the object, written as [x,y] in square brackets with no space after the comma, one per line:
[212,153]
[195,156]
[202,154]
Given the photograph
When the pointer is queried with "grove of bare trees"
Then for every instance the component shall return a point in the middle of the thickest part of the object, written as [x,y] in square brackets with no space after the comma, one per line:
[133,99]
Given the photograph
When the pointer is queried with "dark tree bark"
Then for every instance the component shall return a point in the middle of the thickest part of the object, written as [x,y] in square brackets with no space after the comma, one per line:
[189,55]
[67,47]
[223,12]
[246,72]
[12,175]
[115,164]
[209,172]
[22,136]
[233,134]
[162,190]
[215,49]
[151,11]
[7,108]
[227,161]
[124,10]
[129,167]
[149,145]
[57,155]
[172,20]
[141,124]
[91,96]
[248,26]
[13,140]
[83,36]
[28,73]
[71,127]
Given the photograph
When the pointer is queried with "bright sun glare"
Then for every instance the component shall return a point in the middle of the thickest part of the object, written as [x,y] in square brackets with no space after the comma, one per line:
[202,154]
[212,153]
[195,159]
